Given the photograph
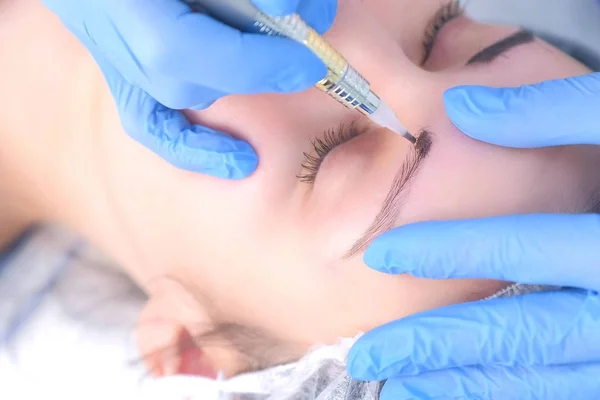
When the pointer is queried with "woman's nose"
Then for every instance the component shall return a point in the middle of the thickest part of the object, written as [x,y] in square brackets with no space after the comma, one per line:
[373,52]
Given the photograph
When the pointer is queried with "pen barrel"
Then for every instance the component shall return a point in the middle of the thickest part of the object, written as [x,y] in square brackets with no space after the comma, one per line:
[342,82]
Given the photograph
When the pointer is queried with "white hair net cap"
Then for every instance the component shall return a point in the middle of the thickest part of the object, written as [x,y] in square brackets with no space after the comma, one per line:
[320,375]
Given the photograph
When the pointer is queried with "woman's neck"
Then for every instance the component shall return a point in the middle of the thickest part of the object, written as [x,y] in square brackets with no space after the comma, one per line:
[51,89]
[44,176]
[53,169]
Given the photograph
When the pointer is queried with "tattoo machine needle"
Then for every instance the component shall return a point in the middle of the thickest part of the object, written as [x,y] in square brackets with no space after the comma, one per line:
[342,82]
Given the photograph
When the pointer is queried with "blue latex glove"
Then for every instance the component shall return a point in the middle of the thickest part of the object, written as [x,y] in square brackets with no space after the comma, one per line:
[159,57]
[537,346]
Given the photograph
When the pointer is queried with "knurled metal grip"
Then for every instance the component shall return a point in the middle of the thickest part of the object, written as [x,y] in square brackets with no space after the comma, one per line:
[342,82]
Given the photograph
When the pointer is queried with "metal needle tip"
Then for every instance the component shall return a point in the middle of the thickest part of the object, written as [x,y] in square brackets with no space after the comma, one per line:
[410,138]
[384,116]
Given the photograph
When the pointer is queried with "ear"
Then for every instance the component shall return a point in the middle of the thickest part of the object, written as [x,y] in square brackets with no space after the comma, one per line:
[165,343]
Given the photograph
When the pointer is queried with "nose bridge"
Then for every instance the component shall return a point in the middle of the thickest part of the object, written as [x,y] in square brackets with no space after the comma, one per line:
[370,49]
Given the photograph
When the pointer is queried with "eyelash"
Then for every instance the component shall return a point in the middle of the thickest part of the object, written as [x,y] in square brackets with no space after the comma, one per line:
[323,146]
[336,137]
[445,14]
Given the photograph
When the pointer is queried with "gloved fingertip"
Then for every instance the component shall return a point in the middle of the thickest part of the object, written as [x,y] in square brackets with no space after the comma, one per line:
[290,66]
[242,165]
[474,100]
[236,164]
[309,71]
[360,365]
[393,389]
[277,8]
[196,148]
[377,258]
[422,388]
[471,107]
[320,15]
[387,254]
[386,351]
[202,106]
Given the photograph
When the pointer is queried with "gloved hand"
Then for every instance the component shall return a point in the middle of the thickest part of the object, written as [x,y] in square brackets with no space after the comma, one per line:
[159,57]
[536,346]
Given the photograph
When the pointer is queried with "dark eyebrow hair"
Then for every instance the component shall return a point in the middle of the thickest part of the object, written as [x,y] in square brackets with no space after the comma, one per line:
[494,51]
[386,218]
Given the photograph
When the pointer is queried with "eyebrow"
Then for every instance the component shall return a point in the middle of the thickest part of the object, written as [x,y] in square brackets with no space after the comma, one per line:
[499,48]
[386,217]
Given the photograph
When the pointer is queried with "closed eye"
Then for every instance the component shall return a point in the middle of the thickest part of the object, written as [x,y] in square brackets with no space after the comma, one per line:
[323,146]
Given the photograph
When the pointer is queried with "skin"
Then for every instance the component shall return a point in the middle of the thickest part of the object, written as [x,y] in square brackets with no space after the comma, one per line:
[268,252]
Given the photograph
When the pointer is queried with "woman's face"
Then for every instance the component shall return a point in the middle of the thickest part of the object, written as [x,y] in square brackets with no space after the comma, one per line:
[276,260]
